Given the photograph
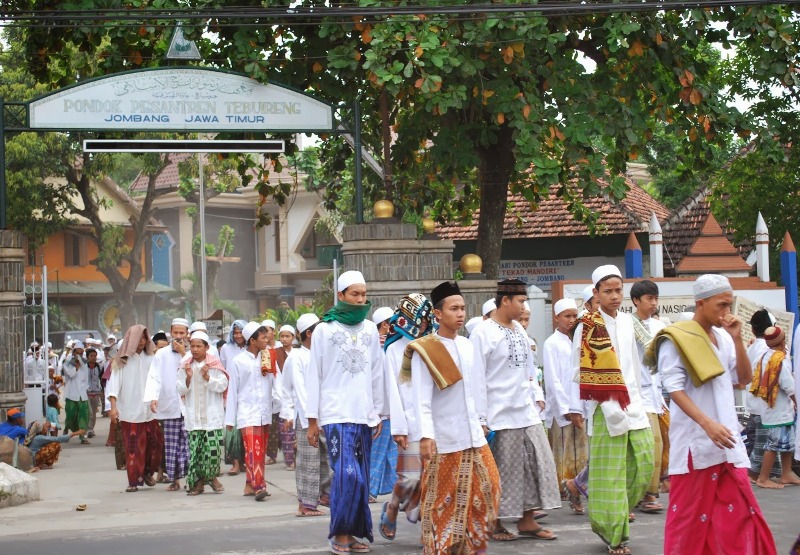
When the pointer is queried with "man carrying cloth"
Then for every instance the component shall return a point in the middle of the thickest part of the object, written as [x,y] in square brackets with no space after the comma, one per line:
[712,508]
[461,493]
[621,448]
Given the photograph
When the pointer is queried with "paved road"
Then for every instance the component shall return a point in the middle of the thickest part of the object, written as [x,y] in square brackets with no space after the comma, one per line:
[154,521]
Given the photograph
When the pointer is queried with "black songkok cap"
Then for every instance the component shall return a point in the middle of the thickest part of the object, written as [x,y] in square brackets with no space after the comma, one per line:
[511,287]
[160,336]
[444,290]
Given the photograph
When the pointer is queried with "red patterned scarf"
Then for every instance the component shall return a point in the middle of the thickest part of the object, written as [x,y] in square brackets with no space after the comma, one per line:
[601,376]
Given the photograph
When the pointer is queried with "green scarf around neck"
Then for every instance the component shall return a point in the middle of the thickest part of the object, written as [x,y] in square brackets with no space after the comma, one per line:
[347,314]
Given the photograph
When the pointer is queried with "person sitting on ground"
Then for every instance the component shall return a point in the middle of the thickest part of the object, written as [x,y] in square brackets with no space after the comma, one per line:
[44,448]
[14,426]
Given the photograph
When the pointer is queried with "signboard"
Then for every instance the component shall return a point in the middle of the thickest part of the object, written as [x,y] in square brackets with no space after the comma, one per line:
[542,273]
[214,329]
[744,309]
[179,99]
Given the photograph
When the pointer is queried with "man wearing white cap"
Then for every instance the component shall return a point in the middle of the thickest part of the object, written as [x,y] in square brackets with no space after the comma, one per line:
[346,357]
[488,308]
[286,337]
[274,358]
[590,302]
[607,363]
[76,385]
[161,392]
[567,435]
[383,460]
[201,326]
[525,321]
[250,404]
[313,478]
[381,319]
[520,447]
[711,502]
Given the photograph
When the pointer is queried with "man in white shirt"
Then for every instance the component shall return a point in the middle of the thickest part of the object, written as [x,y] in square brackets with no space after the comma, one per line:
[161,393]
[234,449]
[608,367]
[76,385]
[250,404]
[141,434]
[410,321]
[277,357]
[313,477]
[346,357]
[568,436]
[711,502]
[759,322]
[202,382]
[520,447]
[644,295]
[383,459]
[462,485]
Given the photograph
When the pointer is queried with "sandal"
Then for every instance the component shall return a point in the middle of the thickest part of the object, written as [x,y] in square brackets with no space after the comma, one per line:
[650,507]
[262,494]
[631,517]
[270,461]
[217,486]
[173,487]
[290,467]
[573,499]
[386,528]
[500,534]
[131,489]
[162,479]
[538,534]
[199,487]
[358,547]
[233,473]
[325,500]
[149,480]
[305,511]
[339,548]
[619,550]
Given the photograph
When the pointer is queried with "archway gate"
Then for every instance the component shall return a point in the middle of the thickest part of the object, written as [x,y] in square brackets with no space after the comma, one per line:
[178,100]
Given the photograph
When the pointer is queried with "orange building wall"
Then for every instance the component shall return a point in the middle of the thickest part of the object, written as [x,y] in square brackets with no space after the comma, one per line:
[54,257]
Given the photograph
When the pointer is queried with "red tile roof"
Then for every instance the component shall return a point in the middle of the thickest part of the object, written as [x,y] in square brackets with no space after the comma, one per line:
[711,252]
[553,218]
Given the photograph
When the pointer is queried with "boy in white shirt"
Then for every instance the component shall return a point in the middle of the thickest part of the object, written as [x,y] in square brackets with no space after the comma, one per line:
[461,492]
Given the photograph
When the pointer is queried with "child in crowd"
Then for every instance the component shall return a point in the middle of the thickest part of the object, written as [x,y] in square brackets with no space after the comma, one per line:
[53,409]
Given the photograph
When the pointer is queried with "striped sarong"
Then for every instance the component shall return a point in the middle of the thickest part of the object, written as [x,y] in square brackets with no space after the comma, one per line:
[760,436]
[620,470]
[408,488]
[313,475]
[176,448]
[527,471]
[205,456]
[663,425]
[658,447]
[383,462]
[570,450]
[461,497]
[349,450]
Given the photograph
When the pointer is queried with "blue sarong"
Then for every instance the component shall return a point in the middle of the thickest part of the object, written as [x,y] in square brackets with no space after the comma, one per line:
[349,450]
[383,465]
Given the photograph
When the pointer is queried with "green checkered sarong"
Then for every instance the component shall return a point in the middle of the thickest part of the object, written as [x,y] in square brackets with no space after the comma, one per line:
[619,471]
[205,455]
[77,416]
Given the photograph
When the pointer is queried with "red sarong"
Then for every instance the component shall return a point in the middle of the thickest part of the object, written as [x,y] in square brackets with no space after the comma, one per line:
[143,446]
[255,443]
[713,512]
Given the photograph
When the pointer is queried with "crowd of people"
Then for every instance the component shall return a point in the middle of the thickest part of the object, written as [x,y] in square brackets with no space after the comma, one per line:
[465,435]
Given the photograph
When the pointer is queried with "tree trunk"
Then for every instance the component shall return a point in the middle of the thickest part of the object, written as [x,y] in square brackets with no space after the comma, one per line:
[497,163]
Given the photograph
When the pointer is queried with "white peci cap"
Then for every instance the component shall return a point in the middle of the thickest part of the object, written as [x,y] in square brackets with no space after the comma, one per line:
[306,321]
[564,304]
[382,314]
[351,277]
[249,329]
[605,271]
[488,306]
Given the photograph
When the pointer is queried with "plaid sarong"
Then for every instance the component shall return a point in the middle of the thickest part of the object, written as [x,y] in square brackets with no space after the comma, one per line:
[408,488]
[234,448]
[313,474]
[205,455]
[77,416]
[620,470]
[176,448]
[383,465]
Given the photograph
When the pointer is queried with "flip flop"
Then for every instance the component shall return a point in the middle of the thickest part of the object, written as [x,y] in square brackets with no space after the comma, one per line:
[233,473]
[358,547]
[650,507]
[537,534]
[81,507]
[339,548]
[537,515]
[391,527]
[500,534]
[262,494]
[574,501]
[131,489]
[309,512]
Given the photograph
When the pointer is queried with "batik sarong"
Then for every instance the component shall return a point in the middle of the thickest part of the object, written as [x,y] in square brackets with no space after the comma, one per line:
[383,462]
[619,473]
[116,440]
[713,510]
[176,448]
[460,500]
[658,446]
[349,450]
[47,455]
[570,450]
[274,441]
[313,476]
[255,440]
[77,416]
[663,425]
[205,456]
[527,471]
[143,444]
[287,443]
[234,448]
[408,488]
